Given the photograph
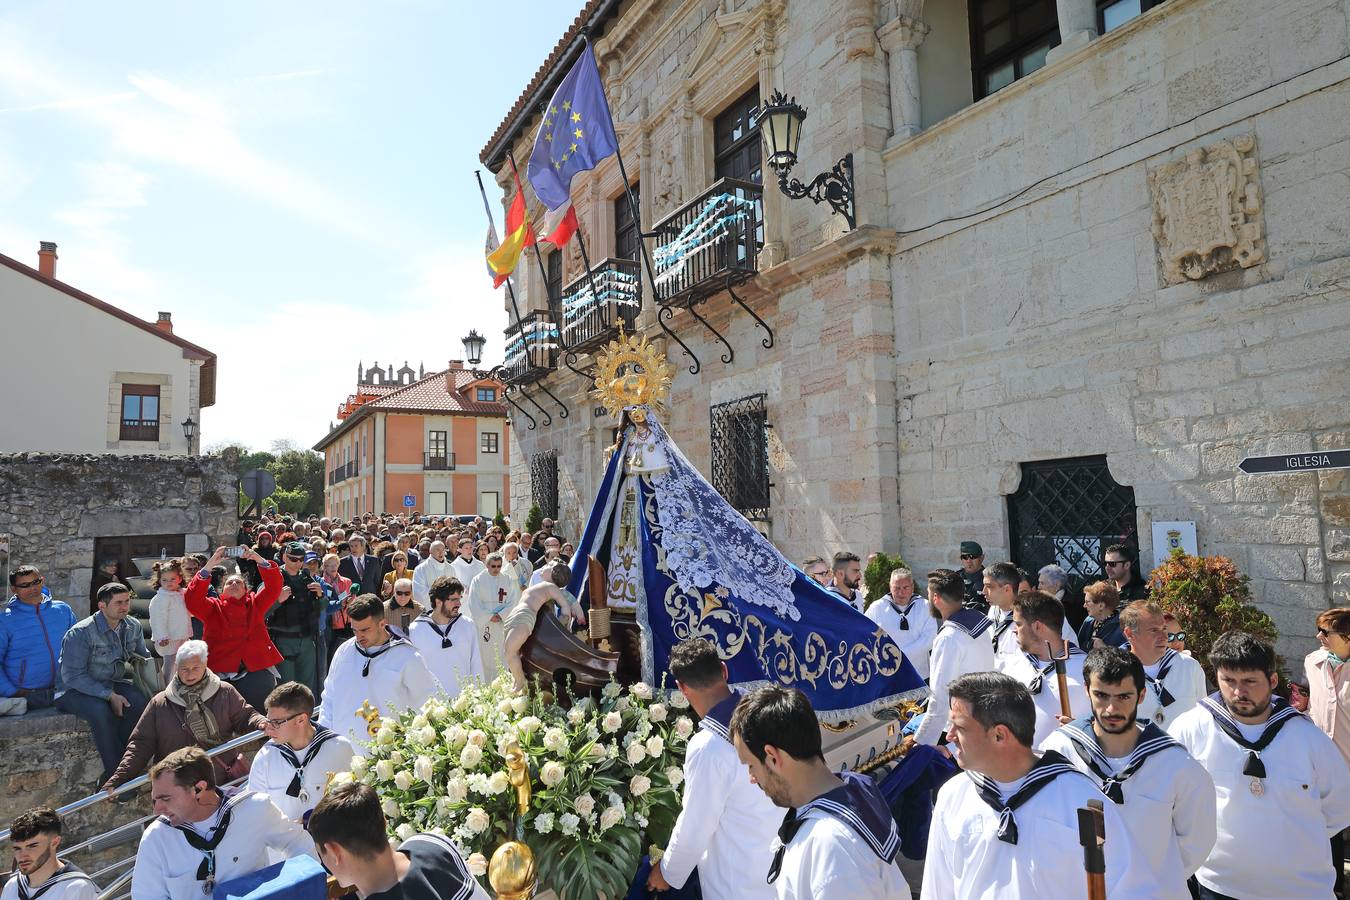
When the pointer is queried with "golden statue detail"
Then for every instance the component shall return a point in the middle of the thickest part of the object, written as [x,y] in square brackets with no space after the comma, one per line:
[631,371]
[371,715]
[511,872]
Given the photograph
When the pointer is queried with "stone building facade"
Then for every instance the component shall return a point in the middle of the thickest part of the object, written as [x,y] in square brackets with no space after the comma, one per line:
[1091,279]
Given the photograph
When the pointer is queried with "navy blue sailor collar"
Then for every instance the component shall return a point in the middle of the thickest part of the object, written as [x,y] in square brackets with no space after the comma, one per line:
[973,622]
[718,719]
[858,804]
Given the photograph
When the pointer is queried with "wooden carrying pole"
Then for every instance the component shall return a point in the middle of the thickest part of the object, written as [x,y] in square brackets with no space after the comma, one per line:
[1062,677]
[1092,835]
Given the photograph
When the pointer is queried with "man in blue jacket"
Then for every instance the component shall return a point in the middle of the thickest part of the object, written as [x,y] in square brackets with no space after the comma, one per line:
[32,626]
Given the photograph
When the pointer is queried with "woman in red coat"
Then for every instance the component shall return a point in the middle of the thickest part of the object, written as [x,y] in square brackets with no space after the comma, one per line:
[234,626]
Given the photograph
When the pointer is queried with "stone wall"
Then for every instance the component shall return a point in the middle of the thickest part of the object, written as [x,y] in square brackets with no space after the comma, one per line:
[54,506]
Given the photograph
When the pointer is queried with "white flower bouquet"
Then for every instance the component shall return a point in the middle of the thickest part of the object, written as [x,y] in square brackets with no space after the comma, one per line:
[605,777]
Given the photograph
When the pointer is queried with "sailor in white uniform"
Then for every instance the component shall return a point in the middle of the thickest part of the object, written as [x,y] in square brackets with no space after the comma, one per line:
[904,615]
[1165,797]
[204,835]
[1283,788]
[727,826]
[838,838]
[1001,582]
[373,672]
[35,837]
[447,640]
[1176,682]
[1038,620]
[293,767]
[961,646]
[1007,826]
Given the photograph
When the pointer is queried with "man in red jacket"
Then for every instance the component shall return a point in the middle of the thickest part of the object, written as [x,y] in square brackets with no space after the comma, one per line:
[234,626]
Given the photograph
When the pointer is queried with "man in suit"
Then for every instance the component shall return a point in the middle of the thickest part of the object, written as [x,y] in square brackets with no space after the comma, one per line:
[362,566]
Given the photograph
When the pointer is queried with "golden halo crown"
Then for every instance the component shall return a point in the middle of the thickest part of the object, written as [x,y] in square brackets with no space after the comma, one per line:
[631,371]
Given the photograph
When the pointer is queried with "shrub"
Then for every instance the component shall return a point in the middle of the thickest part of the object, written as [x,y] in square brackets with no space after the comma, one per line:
[534,518]
[877,575]
[1208,596]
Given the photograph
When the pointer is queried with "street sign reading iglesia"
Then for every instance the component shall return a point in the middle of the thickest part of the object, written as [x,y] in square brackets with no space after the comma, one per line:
[1296,462]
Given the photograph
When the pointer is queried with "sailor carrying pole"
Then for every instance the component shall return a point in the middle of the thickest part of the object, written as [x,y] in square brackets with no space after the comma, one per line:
[1092,835]
[1061,676]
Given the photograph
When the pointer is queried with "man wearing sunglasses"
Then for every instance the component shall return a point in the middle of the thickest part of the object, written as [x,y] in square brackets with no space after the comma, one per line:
[293,767]
[32,625]
[972,574]
[294,621]
[1119,564]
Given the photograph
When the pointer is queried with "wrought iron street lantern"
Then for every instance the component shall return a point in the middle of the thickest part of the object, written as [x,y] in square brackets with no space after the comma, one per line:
[781,123]
[473,346]
[189,429]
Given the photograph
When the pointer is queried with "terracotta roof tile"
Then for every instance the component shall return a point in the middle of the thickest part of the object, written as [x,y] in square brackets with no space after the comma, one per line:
[426,395]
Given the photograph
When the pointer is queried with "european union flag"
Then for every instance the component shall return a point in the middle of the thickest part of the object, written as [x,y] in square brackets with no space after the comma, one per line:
[576,134]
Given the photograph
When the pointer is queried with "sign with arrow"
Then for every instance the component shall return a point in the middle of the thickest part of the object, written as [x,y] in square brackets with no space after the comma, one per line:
[1296,462]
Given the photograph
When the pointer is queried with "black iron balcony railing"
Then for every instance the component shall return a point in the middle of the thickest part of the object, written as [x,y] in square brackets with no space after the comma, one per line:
[438,462]
[531,349]
[710,243]
[342,473]
[594,305]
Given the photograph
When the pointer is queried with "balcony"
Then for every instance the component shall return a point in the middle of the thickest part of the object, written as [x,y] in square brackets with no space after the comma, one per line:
[595,305]
[531,349]
[710,243]
[342,473]
[438,462]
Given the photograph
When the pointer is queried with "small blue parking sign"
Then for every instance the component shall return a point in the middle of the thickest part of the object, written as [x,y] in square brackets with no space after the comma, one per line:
[409,500]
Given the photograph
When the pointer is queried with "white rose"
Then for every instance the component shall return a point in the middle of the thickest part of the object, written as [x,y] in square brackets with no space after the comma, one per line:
[552,773]
[684,726]
[359,765]
[405,831]
[658,712]
[656,745]
[396,757]
[567,823]
[610,816]
[529,725]
[385,736]
[402,779]
[555,740]
[679,700]
[611,690]
[641,690]
[455,736]
[504,707]
[585,804]
[470,756]
[423,769]
[390,808]
[543,823]
[520,704]
[456,790]
[478,738]
[623,704]
[576,715]
[598,751]
[419,721]
[635,754]
[639,785]
[675,775]
[477,821]
[461,703]
[477,864]
[428,735]
[498,783]
[384,770]
[612,722]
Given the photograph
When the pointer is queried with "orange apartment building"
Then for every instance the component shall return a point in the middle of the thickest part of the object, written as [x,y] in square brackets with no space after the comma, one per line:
[440,439]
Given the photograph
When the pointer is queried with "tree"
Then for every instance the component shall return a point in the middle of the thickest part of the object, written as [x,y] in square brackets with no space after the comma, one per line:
[534,518]
[299,473]
[877,575]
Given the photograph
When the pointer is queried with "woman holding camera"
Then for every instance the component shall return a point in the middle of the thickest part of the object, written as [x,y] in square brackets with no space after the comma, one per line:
[234,625]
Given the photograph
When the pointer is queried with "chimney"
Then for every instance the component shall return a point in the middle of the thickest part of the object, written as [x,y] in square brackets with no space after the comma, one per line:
[47,259]
[165,322]
[456,363]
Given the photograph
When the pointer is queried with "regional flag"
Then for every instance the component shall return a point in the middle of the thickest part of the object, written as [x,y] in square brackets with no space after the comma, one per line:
[502,261]
[577,133]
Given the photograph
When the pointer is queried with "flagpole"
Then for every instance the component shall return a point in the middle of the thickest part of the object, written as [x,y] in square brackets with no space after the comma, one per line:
[487,208]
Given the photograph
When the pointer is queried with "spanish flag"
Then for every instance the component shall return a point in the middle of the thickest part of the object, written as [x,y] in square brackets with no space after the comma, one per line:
[502,261]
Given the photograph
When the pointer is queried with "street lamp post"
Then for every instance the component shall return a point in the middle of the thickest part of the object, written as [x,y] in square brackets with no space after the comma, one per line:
[473,346]
[781,121]
[189,432]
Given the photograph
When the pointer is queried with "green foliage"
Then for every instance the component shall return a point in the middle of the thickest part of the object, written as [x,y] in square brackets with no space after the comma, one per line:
[1208,596]
[299,474]
[579,868]
[534,518]
[500,521]
[296,502]
[877,575]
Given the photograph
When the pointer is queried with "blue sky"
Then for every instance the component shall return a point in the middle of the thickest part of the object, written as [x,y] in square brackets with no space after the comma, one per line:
[293,181]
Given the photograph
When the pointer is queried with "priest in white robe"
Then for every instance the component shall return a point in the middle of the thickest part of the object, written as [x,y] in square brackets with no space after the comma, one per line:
[1176,682]
[447,640]
[467,567]
[294,766]
[1008,825]
[436,565]
[491,594]
[904,615]
[375,672]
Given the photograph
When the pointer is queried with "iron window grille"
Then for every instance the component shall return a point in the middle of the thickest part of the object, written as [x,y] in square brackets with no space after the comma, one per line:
[740,455]
[1067,512]
[544,483]
[1009,40]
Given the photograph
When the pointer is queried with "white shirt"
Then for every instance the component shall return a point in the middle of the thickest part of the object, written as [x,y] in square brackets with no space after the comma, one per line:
[1271,847]
[453,665]
[166,865]
[915,641]
[967,861]
[271,774]
[398,680]
[955,653]
[726,826]
[1006,649]
[425,575]
[858,602]
[544,569]
[169,617]
[72,885]
[1185,681]
[481,603]
[466,571]
[828,859]
[1047,701]
[1168,810]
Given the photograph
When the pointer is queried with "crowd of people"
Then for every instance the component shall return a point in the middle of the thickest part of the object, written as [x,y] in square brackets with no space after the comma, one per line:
[1042,699]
